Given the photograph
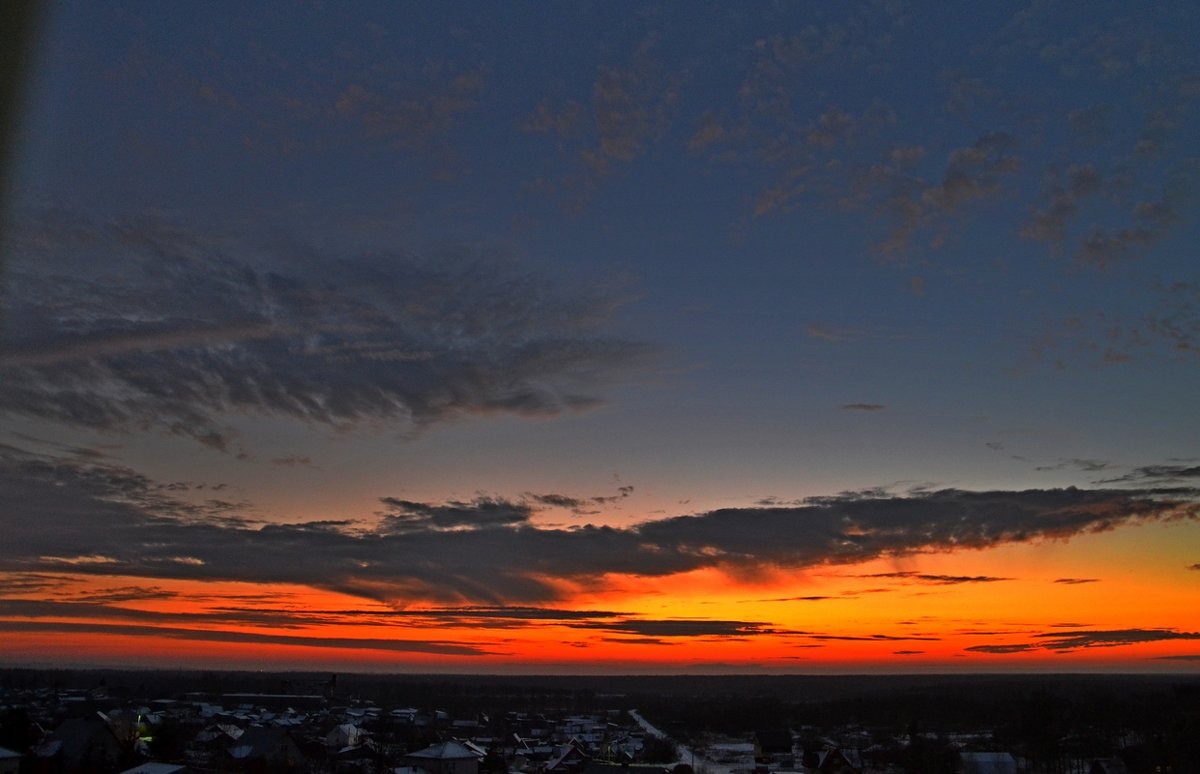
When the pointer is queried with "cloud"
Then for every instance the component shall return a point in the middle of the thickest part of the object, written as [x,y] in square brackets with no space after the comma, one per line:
[810,598]
[1195,566]
[660,628]
[146,326]
[874,638]
[1075,639]
[1171,322]
[441,648]
[1150,221]
[1157,474]
[579,505]
[95,519]
[1086,465]
[863,407]
[1076,581]
[293,461]
[632,106]
[480,513]
[937,580]
[1062,194]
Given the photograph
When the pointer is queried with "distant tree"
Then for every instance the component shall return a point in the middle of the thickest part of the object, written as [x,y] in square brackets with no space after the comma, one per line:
[659,749]
[493,762]
[15,731]
[169,741]
[928,756]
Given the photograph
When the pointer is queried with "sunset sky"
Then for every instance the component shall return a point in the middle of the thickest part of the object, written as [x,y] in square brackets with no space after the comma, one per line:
[604,337]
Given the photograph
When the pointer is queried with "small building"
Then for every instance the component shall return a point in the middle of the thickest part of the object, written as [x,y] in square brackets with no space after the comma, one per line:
[987,763]
[835,760]
[154,767]
[571,758]
[82,744]
[1108,766]
[450,757]
[265,747]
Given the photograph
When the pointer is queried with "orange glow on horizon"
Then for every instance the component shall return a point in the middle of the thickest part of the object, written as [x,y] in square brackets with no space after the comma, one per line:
[1007,608]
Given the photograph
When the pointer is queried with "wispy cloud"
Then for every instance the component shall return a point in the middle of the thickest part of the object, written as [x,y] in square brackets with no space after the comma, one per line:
[441,648]
[937,580]
[632,106]
[1110,638]
[178,335]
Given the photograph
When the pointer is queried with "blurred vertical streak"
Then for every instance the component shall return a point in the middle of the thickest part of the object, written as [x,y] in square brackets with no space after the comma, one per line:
[18,22]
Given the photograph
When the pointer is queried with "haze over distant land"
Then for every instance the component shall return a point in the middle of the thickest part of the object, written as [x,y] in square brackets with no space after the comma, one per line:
[564,338]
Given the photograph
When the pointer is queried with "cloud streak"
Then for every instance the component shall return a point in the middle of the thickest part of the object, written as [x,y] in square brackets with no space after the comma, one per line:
[126,326]
[1076,639]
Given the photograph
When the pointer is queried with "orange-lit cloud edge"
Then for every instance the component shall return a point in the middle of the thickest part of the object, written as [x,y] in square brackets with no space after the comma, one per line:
[1122,600]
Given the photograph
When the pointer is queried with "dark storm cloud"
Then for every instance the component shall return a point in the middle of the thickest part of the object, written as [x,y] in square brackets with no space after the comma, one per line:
[68,516]
[146,326]
[1067,641]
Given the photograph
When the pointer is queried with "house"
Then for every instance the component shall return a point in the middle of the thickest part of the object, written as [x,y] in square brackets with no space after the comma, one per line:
[156,768]
[259,747]
[1108,766]
[571,758]
[344,735]
[986,763]
[450,757]
[82,744]
[835,760]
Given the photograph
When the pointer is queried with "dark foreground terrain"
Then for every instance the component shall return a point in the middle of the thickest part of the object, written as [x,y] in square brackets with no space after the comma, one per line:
[111,720]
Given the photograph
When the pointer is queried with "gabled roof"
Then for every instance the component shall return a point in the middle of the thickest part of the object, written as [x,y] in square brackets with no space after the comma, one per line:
[446,751]
[988,763]
[155,768]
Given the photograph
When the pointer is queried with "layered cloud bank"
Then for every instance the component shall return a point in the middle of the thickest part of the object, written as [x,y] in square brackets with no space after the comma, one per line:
[89,517]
